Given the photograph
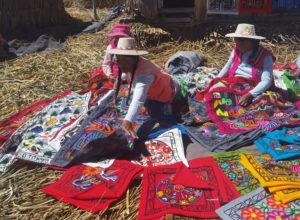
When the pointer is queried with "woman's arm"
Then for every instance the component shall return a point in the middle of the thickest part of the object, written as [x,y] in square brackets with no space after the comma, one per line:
[142,84]
[227,66]
[266,77]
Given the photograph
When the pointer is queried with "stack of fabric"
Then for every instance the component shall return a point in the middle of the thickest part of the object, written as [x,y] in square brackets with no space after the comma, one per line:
[281,178]
[281,144]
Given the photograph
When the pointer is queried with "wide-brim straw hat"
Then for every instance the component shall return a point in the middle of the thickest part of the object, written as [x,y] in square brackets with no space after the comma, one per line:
[245,31]
[127,46]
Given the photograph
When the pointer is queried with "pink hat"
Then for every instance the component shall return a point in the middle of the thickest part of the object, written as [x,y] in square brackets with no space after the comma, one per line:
[120,30]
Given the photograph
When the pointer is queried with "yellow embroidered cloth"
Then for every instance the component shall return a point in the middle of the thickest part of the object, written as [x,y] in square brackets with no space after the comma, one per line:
[279,177]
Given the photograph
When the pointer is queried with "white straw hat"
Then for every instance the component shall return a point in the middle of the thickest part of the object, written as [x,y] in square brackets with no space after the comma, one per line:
[127,46]
[245,31]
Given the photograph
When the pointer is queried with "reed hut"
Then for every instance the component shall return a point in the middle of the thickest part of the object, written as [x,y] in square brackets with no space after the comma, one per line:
[168,11]
[31,13]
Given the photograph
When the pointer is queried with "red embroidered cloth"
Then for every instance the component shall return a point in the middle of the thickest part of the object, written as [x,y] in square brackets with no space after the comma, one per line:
[160,196]
[94,189]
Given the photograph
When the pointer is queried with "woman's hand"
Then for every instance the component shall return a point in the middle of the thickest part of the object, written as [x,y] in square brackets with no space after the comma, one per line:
[127,127]
[246,100]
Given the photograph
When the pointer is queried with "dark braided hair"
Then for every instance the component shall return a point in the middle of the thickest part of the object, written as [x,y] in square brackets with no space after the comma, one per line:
[118,84]
[131,80]
[253,55]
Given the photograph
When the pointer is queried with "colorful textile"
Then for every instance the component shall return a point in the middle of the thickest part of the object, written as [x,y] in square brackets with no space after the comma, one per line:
[198,79]
[272,173]
[287,134]
[34,140]
[293,68]
[160,196]
[99,85]
[208,135]
[9,125]
[93,188]
[279,150]
[241,178]
[267,112]
[100,135]
[292,83]
[165,149]
[259,205]
[278,80]
[201,128]
[197,112]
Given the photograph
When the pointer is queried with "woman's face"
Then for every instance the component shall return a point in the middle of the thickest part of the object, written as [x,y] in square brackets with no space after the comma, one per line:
[243,44]
[126,63]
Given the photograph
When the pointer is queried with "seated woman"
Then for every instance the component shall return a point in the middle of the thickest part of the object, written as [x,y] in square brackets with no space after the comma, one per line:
[249,60]
[109,66]
[152,87]
[104,77]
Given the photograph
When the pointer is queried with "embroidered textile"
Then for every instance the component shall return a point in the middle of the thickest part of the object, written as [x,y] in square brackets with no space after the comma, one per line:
[267,112]
[241,178]
[259,205]
[33,141]
[93,188]
[165,149]
[160,196]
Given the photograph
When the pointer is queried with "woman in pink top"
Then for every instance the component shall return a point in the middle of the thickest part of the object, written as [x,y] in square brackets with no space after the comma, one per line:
[109,66]
[105,76]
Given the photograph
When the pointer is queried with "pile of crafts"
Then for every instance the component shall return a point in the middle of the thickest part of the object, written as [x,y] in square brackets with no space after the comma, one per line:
[81,134]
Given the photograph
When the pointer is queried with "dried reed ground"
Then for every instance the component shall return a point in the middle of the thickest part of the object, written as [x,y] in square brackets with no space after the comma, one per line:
[31,78]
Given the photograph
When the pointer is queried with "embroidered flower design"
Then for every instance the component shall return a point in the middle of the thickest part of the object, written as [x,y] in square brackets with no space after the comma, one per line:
[296,217]
[277,215]
[250,213]
[91,171]
[51,121]
[276,204]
